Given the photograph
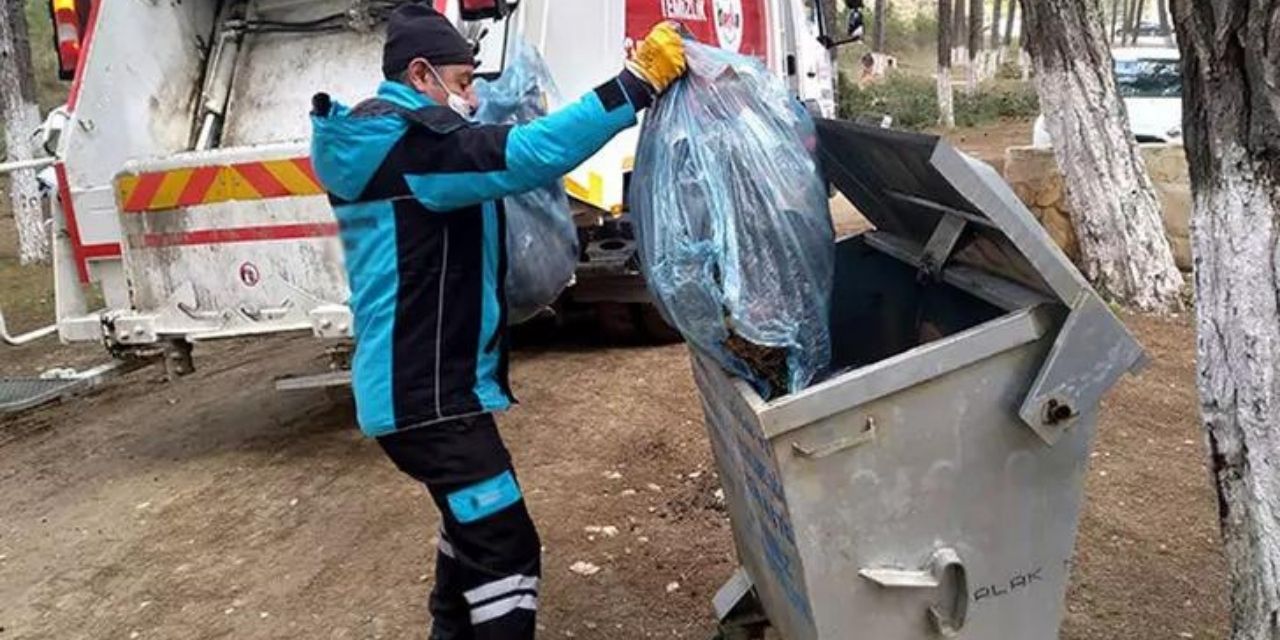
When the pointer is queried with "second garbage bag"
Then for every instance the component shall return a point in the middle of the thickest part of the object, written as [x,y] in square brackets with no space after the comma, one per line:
[542,241]
[733,221]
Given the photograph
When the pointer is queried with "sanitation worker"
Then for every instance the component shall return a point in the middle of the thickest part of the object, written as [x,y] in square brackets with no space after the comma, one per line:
[417,190]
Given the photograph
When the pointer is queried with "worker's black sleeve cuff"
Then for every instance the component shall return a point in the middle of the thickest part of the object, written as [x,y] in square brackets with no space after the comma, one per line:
[627,87]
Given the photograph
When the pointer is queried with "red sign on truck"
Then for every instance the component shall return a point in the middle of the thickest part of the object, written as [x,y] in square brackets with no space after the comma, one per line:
[735,25]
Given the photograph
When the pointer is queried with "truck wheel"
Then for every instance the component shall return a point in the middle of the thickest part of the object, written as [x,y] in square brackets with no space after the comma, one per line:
[616,322]
[656,329]
[633,323]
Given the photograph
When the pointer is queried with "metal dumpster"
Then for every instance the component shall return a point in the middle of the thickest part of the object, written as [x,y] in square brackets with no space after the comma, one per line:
[931,486]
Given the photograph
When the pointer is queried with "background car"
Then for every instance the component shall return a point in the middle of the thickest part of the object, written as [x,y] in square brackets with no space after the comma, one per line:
[1150,82]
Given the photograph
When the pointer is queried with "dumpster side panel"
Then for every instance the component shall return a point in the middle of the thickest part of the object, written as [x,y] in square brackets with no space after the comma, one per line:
[950,466]
[758,511]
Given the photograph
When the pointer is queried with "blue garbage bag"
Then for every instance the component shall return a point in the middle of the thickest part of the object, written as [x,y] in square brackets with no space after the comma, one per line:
[733,221]
[542,241]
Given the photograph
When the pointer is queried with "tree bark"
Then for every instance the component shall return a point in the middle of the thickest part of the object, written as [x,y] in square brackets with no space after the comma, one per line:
[959,27]
[882,14]
[1137,20]
[946,95]
[1024,58]
[21,117]
[1231,121]
[1022,29]
[976,16]
[1162,7]
[1008,25]
[1115,20]
[996,14]
[1130,9]
[1123,246]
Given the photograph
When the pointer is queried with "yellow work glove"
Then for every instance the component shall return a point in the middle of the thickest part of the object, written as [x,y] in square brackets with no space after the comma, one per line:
[659,58]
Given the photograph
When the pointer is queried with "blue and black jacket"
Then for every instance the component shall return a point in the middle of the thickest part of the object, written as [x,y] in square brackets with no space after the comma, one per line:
[417,191]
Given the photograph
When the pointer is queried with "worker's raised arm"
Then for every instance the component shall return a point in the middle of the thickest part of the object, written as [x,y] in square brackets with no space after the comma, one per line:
[473,164]
[402,139]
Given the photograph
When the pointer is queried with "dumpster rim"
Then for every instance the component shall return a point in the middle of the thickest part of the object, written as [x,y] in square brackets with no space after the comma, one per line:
[909,368]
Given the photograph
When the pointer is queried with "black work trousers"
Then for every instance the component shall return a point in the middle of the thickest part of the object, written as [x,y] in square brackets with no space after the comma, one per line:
[488,559]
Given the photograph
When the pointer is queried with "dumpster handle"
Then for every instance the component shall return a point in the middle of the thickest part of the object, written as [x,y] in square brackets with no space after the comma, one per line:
[866,435]
[947,562]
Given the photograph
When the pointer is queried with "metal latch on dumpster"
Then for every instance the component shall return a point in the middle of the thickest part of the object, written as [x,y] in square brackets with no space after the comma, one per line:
[944,568]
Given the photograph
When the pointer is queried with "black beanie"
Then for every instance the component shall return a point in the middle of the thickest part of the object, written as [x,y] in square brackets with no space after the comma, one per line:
[416,30]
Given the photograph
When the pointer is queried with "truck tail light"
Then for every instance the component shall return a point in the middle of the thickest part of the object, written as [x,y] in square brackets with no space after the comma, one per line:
[68,32]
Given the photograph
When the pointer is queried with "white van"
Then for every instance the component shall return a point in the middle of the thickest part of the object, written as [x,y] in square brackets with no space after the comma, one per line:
[1150,83]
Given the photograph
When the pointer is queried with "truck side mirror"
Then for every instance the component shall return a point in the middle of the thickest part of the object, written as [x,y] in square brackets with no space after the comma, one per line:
[834,33]
[829,27]
[487,9]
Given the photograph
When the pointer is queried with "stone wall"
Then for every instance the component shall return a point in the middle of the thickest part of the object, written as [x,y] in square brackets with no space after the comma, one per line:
[1033,174]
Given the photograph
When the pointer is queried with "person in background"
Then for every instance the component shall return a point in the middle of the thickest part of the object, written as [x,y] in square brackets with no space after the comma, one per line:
[417,190]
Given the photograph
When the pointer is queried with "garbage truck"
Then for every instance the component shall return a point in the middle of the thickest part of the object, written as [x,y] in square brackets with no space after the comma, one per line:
[185,199]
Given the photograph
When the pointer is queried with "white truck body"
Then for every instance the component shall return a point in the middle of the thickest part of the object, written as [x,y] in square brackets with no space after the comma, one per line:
[185,191]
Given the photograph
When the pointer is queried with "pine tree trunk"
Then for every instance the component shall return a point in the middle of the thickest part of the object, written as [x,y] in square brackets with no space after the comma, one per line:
[1130,10]
[1008,26]
[1115,20]
[946,96]
[882,14]
[959,27]
[1117,217]
[996,14]
[1231,118]
[976,17]
[1024,58]
[1137,20]
[21,117]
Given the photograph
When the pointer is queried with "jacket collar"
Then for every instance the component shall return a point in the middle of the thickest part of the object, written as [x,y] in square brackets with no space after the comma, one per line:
[403,95]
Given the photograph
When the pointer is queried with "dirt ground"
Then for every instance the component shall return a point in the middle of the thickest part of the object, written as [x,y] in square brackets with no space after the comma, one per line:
[989,142]
[215,507]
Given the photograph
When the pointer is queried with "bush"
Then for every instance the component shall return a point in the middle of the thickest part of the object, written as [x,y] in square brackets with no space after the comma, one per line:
[1009,68]
[996,101]
[912,100]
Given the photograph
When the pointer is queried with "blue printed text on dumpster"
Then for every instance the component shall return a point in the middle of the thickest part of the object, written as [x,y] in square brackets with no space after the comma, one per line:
[748,459]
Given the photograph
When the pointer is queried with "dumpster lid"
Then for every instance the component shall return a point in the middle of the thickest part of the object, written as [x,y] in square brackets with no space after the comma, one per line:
[917,186]
[951,208]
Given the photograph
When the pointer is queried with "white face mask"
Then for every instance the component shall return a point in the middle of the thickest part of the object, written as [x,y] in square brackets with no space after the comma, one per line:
[456,102]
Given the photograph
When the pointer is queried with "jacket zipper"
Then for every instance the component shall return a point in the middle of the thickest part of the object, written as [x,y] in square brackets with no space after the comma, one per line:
[444,272]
